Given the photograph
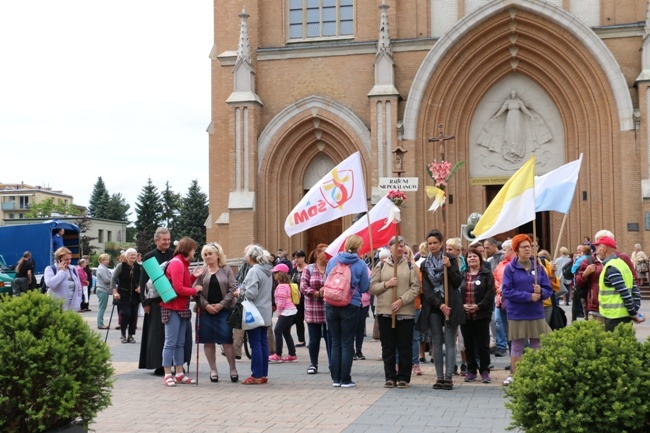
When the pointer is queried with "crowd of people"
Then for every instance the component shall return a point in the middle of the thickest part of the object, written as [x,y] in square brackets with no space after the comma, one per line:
[490,299]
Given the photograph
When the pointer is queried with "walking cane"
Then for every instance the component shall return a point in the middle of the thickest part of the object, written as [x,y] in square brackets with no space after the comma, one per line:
[109,321]
[198,327]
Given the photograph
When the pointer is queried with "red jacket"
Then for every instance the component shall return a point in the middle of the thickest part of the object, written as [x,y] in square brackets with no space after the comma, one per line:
[178,272]
[592,281]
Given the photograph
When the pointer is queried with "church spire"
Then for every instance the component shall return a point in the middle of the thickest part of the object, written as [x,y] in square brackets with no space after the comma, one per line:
[244,48]
[384,64]
[383,44]
[244,74]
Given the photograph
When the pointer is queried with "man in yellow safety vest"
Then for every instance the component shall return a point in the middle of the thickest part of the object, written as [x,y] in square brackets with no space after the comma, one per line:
[618,295]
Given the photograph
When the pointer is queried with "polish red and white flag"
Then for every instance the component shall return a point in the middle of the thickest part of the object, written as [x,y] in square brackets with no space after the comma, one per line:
[383,218]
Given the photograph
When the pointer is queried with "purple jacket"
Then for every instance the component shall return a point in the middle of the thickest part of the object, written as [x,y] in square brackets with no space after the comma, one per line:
[517,287]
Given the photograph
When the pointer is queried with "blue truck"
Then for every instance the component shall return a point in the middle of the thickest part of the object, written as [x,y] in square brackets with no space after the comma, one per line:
[37,239]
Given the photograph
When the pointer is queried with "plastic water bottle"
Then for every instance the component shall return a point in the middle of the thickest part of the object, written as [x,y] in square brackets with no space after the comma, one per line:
[640,316]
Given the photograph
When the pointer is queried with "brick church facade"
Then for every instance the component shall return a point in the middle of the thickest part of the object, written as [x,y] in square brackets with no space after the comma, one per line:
[299,85]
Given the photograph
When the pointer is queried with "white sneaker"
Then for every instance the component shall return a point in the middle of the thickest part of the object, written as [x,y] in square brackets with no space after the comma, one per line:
[508,381]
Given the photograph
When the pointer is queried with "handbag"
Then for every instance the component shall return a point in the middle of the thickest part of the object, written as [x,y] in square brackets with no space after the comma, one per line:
[642,267]
[558,316]
[252,317]
[236,316]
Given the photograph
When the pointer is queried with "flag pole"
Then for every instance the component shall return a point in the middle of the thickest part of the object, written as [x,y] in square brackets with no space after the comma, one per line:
[395,246]
[445,277]
[442,138]
[536,250]
[372,246]
[559,237]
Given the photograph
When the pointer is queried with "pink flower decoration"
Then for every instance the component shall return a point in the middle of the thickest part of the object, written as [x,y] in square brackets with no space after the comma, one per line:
[397,197]
[439,172]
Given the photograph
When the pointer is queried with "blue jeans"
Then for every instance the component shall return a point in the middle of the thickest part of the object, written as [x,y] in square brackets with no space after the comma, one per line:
[316,332]
[440,332]
[342,324]
[103,302]
[175,333]
[259,341]
[503,314]
[502,330]
[415,355]
[361,328]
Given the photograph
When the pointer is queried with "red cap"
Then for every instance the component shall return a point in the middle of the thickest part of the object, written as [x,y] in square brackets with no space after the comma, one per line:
[607,241]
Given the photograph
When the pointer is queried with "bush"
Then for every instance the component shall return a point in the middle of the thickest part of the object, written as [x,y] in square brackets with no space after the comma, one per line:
[54,368]
[583,379]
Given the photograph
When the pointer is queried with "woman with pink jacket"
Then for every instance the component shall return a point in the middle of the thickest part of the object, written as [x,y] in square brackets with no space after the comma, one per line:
[286,313]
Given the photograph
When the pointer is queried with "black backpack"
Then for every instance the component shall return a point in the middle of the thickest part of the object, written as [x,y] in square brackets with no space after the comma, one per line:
[42,284]
[566,271]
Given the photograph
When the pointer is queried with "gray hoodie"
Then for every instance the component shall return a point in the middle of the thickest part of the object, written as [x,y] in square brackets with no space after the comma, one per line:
[104,276]
[257,288]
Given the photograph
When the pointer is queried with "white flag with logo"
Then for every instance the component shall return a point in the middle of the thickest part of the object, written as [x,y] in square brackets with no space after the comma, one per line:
[341,192]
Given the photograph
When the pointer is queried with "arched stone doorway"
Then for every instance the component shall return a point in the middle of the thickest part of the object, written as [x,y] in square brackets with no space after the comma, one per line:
[548,48]
[295,148]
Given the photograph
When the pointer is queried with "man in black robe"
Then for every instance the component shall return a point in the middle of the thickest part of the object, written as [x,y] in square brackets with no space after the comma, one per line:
[153,330]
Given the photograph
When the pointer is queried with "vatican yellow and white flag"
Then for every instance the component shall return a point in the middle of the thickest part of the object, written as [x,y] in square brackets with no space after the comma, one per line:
[438,195]
[341,192]
[513,206]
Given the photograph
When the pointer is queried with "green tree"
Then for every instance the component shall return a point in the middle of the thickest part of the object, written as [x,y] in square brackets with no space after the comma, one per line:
[99,200]
[148,209]
[194,212]
[117,208]
[45,209]
[131,233]
[84,240]
[171,203]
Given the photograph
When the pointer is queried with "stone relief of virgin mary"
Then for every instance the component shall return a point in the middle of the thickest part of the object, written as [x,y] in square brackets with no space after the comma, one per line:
[514,130]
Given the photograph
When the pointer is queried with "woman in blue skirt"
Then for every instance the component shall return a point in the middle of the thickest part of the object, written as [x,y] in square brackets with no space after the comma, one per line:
[215,302]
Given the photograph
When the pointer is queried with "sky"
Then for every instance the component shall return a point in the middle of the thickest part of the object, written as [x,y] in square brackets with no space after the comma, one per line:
[116,89]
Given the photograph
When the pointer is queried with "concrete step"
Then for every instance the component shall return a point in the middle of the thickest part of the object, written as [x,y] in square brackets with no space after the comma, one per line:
[645,290]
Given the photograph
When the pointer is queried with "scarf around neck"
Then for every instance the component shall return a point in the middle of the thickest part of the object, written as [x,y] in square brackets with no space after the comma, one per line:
[434,271]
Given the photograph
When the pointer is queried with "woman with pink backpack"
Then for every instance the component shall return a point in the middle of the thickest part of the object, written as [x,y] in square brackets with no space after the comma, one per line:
[342,312]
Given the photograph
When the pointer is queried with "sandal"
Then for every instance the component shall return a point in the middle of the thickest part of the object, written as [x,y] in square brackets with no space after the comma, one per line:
[214,377]
[131,339]
[438,384]
[182,378]
[168,380]
[253,381]
[402,384]
[123,340]
[448,385]
[389,384]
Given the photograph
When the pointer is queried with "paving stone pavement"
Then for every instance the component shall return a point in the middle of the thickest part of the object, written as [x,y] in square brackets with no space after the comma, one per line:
[293,401]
